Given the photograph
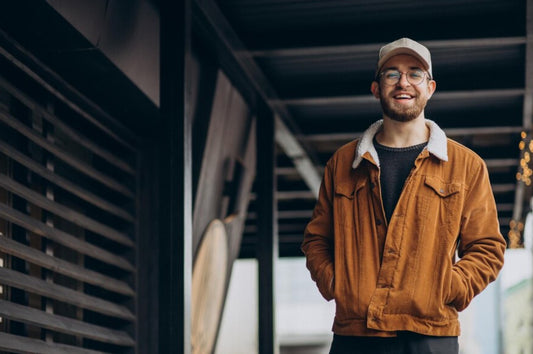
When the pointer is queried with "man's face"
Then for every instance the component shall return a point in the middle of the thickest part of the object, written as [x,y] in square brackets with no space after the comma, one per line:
[403,101]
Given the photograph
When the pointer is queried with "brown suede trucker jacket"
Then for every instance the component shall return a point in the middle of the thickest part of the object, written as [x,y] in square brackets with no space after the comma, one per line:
[402,275]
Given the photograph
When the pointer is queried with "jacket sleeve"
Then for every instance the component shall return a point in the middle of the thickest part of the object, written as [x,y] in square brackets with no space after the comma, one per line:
[318,238]
[481,246]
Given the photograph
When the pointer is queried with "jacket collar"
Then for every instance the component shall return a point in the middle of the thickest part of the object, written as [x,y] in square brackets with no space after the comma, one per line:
[437,144]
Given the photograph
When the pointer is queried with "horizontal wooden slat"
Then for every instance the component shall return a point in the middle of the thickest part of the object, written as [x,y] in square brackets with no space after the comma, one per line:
[18,344]
[62,324]
[73,134]
[63,238]
[63,182]
[58,152]
[63,267]
[64,212]
[38,286]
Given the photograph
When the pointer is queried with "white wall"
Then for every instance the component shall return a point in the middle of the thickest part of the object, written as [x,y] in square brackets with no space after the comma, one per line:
[238,331]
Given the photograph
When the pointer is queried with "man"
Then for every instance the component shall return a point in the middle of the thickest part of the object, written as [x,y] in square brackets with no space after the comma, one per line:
[394,207]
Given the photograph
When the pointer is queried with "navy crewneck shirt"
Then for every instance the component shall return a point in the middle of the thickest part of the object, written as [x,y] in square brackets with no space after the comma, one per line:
[395,166]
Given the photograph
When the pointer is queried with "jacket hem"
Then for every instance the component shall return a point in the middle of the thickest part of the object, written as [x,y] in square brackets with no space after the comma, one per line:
[389,325]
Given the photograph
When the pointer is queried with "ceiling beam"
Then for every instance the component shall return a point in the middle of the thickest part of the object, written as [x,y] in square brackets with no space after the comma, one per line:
[374,47]
[455,132]
[491,163]
[285,129]
[369,99]
[285,214]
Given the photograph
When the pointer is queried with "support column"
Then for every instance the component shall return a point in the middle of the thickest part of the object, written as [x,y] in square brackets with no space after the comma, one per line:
[175,187]
[267,233]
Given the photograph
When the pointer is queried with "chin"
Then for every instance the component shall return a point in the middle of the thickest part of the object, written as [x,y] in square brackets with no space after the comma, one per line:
[401,114]
[402,117]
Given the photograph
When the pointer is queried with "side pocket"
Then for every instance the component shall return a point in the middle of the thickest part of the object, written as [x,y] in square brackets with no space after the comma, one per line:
[326,284]
[456,290]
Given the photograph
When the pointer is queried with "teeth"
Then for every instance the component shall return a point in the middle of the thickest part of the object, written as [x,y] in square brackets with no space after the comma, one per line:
[402,96]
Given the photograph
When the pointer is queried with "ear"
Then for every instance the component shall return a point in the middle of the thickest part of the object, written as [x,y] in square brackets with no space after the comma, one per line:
[432,86]
[375,89]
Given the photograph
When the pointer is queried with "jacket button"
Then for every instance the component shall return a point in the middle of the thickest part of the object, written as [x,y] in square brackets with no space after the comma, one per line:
[372,185]
[379,222]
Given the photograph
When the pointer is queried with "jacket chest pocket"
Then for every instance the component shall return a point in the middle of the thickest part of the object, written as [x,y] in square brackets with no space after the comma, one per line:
[440,202]
[347,196]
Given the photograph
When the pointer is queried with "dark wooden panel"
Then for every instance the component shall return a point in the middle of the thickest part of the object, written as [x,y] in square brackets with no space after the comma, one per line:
[267,239]
[64,212]
[63,238]
[147,234]
[59,153]
[175,179]
[64,183]
[18,344]
[63,324]
[63,267]
[78,137]
[37,286]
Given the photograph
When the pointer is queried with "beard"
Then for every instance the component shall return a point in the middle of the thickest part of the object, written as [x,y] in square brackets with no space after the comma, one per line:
[401,113]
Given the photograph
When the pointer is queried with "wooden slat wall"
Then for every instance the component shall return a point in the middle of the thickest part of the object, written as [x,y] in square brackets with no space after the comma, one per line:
[68,199]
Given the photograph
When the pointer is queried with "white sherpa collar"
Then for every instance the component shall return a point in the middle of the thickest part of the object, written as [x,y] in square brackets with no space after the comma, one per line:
[437,144]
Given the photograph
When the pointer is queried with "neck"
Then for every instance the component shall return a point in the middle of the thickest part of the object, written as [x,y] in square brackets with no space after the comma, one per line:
[403,134]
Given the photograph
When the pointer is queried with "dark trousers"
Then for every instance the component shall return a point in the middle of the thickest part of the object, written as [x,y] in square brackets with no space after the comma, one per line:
[404,343]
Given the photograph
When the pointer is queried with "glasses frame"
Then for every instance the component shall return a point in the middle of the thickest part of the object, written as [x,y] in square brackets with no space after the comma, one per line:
[380,76]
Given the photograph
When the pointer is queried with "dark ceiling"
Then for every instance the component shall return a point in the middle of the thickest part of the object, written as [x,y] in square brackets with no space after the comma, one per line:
[318,60]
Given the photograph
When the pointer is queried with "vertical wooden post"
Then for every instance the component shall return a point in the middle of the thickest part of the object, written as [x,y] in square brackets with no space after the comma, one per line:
[175,187]
[267,244]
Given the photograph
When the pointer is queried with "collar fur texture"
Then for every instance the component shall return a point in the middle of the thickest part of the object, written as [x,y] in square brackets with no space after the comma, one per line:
[437,144]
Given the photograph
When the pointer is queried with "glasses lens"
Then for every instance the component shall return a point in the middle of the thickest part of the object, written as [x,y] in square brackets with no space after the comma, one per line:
[391,77]
[415,76]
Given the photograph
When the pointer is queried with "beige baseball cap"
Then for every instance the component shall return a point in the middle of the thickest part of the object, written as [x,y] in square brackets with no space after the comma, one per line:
[405,46]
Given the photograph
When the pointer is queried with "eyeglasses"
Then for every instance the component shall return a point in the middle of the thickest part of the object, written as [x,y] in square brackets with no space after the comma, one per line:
[391,77]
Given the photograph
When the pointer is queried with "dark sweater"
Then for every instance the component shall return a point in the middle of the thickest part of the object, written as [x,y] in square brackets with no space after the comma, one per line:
[395,166]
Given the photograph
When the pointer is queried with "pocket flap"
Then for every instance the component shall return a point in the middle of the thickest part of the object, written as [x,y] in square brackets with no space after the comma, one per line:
[345,189]
[441,188]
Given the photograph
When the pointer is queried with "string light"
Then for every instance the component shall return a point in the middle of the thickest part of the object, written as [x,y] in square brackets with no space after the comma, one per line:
[515,232]
[525,172]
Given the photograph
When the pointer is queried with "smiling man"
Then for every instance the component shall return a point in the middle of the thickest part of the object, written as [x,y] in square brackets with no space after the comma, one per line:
[394,208]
